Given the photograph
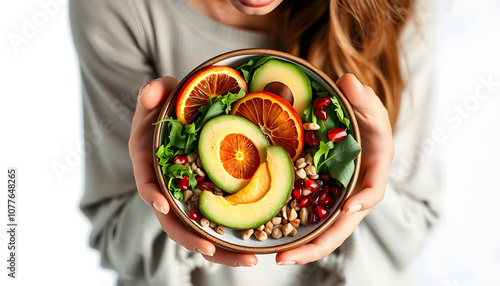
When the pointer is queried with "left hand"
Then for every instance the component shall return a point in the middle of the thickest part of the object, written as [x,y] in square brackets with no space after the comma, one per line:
[378,152]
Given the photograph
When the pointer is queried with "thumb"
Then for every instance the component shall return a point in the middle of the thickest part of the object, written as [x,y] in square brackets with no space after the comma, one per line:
[362,97]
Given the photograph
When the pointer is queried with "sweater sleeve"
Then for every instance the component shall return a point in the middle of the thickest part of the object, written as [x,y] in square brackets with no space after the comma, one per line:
[112,48]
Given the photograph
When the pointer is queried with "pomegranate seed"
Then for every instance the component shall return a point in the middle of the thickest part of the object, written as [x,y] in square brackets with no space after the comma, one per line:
[206,186]
[183,183]
[321,113]
[312,185]
[321,211]
[337,134]
[322,101]
[311,138]
[314,199]
[325,177]
[200,179]
[299,183]
[320,183]
[335,191]
[313,217]
[180,159]
[326,200]
[297,193]
[325,189]
[194,214]
[304,202]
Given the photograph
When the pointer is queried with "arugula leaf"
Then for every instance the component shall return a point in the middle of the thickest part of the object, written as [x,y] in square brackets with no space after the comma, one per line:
[177,193]
[230,98]
[247,69]
[323,150]
[341,112]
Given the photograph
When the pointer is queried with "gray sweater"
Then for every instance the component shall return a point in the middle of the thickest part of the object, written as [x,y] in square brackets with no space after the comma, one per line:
[123,44]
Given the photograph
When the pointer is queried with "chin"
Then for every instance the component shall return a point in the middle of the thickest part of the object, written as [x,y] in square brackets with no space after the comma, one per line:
[255,7]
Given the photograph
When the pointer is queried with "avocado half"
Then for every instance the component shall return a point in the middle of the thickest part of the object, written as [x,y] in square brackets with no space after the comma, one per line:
[286,80]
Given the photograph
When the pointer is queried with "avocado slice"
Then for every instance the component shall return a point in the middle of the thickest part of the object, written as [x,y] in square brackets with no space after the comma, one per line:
[251,215]
[213,134]
[286,80]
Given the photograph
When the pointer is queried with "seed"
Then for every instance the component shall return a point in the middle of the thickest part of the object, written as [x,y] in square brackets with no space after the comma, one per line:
[191,157]
[314,177]
[304,216]
[310,170]
[311,138]
[304,202]
[287,228]
[194,214]
[276,233]
[301,173]
[246,234]
[220,230]
[293,232]
[295,222]
[196,192]
[268,230]
[310,126]
[306,192]
[295,205]
[180,159]
[183,183]
[291,214]
[297,193]
[204,222]
[312,185]
[276,220]
[313,217]
[326,200]
[335,191]
[212,224]
[260,227]
[322,101]
[325,177]
[187,195]
[337,134]
[300,163]
[198,162]
[321,211]
[260,235]
[206,186]
[284,212]
[299,183]
[320,112]
[193,166]
[191,206]
[309,158]
[314,199]
[199,172]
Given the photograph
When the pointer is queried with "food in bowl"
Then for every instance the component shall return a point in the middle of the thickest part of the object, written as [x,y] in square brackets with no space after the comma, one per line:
[262,148]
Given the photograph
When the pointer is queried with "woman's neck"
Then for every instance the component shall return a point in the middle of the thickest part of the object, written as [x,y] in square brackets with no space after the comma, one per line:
[224,12]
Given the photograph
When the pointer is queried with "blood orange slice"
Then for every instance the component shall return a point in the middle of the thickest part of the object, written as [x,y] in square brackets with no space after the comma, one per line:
[207,83]
[277,119]
[239,156]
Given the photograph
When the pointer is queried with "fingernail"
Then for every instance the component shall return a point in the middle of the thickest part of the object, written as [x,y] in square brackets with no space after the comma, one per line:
[360,84]
[202,251]
[158,208]
[354,208]
[143,90]
[287,263]
[243,264]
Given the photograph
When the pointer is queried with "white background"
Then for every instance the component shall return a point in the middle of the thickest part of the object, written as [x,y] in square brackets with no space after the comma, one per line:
[41,128]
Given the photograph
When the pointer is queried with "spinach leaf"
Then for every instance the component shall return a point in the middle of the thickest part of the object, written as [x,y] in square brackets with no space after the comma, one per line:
[247,69]
[322,151]
[344,151]
[341,171]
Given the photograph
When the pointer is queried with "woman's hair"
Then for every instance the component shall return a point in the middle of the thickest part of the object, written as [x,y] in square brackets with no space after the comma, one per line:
[356,36]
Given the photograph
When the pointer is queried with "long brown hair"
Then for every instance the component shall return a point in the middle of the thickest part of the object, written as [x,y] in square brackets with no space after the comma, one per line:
[356,36]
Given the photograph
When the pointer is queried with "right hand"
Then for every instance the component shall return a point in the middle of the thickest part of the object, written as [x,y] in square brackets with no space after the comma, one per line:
[152,96]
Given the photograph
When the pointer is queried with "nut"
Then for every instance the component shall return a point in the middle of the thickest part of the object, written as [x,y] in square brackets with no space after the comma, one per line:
[306,192]
[260,227]
[260,235]
[196,192]
[276,233]
[295,222]
[304,216]
[193,166]
[300,163]
[291,214]
[301,173]
[204,222]
[310,126]
[219,230]
[212,224]
[187,195]
[198,162]
[192,157]
[293,232]
[199,172]
[314,177]
[287,228]
[276,220]
[284,212]
[295,205]
[246,234]
[309,159]
[191,205]
[217,189]
[310,170]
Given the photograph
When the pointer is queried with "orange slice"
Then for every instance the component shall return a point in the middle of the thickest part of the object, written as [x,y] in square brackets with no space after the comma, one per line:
[207,83]
[255,189]
[277,119]
[239,156]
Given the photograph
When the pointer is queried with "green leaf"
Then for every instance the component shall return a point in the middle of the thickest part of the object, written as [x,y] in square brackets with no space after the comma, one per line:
[323,150]
[341,112]
[326,125]
[247,69]
[344,150]
[316,86]
[230,98]
[341,171]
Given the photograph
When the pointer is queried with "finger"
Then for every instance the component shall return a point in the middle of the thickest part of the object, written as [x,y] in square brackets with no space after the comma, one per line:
[177,231]
[153,93]
[361,97]
[229,258]
[324,244]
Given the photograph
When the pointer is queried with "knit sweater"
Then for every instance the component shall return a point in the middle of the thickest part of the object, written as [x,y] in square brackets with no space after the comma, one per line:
[123,44]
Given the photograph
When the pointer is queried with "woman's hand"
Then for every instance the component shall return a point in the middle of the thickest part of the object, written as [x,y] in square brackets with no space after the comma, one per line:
[377,154]
[152,96]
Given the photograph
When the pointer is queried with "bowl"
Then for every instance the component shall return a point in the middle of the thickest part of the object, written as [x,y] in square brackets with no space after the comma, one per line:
[232,240]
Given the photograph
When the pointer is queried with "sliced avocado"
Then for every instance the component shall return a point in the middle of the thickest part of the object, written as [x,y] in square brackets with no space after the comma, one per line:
[285,80]
[209,147]
[251,215]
